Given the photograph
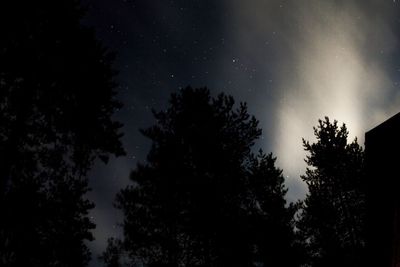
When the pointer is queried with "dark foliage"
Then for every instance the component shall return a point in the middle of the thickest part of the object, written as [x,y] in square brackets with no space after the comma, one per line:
[56,99]
[203,198]
[270,218]
[332,220]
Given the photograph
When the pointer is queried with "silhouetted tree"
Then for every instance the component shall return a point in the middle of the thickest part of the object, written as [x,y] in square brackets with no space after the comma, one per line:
[56,99]
[202,198]
[113,255]
[333,216]
[270,218]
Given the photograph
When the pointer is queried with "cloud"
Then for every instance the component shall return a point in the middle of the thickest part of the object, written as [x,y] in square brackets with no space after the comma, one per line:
[328,58]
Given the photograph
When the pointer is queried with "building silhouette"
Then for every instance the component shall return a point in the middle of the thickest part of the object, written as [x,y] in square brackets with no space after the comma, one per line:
[382,147]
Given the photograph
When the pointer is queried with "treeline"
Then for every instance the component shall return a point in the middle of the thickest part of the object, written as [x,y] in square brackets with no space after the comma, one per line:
[202,198]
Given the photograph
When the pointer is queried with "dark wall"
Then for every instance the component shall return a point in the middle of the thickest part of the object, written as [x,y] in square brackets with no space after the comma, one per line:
[382,147]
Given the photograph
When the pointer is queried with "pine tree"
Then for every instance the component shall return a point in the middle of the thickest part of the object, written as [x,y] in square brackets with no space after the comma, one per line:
[270,216]
[333,216]
[56,100]
[202,196]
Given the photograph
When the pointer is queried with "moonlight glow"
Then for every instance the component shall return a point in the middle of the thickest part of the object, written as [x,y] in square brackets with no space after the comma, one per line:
[324,69]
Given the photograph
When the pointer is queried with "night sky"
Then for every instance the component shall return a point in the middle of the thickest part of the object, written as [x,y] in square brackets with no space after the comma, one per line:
[293,62]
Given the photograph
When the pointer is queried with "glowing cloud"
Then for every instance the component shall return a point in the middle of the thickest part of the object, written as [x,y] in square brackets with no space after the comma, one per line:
[329,61]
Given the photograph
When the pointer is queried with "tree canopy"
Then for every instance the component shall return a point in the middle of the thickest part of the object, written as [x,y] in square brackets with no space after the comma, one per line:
[203,198]
[57,96]
[332,220]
